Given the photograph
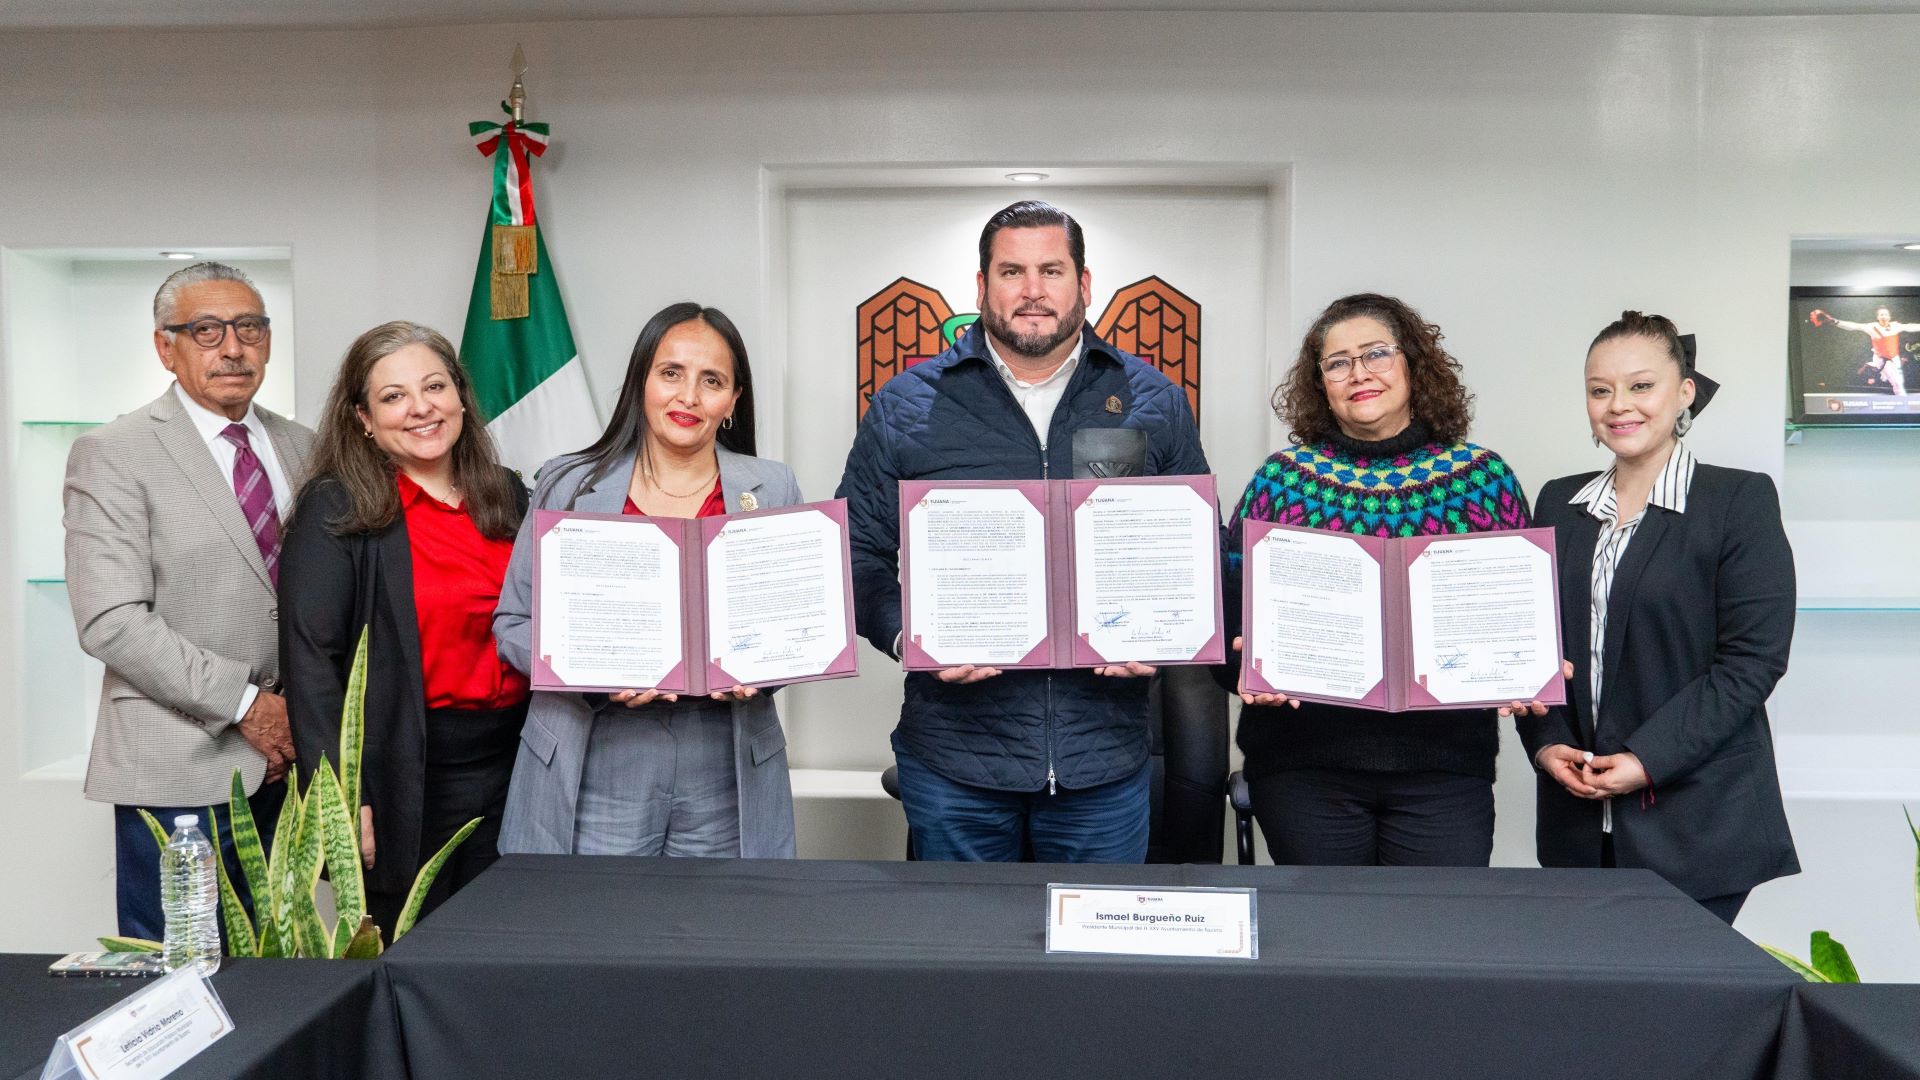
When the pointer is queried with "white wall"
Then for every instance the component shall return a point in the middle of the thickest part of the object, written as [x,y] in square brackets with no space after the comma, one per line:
[1519,178]
[1881,265]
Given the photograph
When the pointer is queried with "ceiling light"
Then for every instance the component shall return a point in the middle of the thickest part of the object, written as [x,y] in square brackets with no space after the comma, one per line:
[182,255]
[1026,177]
[1908,247]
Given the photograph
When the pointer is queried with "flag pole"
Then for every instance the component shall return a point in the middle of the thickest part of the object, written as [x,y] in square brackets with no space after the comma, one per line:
[517,96]
[517,347]
[515,255]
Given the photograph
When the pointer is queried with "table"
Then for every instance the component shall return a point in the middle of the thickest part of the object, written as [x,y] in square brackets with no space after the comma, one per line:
[292,1018]
[1840,1032]
[555,965]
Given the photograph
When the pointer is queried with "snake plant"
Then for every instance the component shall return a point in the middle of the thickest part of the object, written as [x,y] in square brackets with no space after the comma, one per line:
[316,830]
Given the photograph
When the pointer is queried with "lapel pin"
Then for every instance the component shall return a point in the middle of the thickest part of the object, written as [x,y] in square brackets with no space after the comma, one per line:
[1113,404]
[748,503]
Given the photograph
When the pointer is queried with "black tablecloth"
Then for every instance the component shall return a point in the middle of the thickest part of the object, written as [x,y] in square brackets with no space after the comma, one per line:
[291,1018]
[1871,1032]
[551,966]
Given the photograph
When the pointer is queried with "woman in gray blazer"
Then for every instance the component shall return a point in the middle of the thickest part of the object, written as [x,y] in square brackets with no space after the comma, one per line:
[642,772]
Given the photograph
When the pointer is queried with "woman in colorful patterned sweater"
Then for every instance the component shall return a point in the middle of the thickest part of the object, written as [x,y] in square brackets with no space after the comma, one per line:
[1379,419]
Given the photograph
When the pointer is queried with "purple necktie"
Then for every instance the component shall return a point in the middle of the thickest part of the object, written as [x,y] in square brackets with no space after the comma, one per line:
[255,493]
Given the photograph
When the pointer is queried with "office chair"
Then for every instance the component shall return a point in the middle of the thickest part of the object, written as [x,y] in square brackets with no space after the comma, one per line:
[1240,797]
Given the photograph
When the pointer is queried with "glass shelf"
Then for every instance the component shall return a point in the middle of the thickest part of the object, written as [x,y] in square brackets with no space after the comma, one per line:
[61,423]
[1854,427]
[1858,603]
[60,690]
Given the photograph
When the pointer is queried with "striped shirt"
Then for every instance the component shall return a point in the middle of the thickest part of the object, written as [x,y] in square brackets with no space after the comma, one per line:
[1602,502]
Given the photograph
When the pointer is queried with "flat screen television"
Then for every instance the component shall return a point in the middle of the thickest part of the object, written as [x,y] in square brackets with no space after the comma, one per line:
[1853,355]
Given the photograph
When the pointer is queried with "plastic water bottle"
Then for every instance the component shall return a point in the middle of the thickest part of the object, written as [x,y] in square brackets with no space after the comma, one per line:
[190,898]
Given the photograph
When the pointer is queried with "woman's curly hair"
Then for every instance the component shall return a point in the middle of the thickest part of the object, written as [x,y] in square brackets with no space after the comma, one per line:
[1439,399]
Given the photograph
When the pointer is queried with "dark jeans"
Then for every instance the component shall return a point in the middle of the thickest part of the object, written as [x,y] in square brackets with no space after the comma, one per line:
[469,761]
[1725,908]
[1346,817]
[958,822]
[136,857]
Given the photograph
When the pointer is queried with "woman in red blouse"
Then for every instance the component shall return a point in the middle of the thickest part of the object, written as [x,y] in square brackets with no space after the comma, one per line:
[405,528]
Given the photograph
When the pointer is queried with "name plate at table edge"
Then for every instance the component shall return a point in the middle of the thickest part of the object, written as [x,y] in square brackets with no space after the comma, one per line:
[1189,921]
[148,1034]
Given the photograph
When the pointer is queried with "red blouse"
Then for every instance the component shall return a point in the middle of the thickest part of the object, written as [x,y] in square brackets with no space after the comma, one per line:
[456,585]
[715,506]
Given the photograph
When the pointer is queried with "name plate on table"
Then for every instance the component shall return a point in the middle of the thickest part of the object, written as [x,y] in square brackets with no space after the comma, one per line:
[149,1034]
[1153,922]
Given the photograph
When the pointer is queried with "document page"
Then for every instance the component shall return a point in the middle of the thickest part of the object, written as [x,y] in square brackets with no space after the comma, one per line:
[976,576]
[1144,571]
[1484,626]
[776,597]
[1315,625]
[609,603]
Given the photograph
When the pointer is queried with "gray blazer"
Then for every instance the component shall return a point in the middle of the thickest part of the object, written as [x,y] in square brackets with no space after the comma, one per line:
[553,744]
[169,591]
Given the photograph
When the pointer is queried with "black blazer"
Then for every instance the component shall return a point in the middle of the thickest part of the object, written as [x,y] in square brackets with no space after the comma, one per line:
[1699,623]
[330,587]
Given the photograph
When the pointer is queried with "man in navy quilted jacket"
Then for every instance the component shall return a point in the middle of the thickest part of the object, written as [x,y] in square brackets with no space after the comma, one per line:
[992,762]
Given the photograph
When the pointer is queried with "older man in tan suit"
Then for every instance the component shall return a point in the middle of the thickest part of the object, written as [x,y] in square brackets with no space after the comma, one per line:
[173,516]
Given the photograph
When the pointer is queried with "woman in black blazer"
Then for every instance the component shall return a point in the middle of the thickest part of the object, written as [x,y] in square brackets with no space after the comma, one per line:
[1689,564]
[405,529]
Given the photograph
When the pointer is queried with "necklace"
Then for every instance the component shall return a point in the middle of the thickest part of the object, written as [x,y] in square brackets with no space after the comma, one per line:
[704,485]
[453,492]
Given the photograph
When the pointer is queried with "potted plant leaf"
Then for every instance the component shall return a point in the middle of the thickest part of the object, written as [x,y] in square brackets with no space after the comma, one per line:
[1827,960]
[316,831]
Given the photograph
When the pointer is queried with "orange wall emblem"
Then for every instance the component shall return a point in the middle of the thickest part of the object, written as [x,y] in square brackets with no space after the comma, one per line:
[907,322]
[897,327]
[1161,325]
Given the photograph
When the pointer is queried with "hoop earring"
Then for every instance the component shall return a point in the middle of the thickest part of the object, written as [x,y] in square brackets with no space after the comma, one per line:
[1684,422]
[728,422]
[368,433]
[1597,444]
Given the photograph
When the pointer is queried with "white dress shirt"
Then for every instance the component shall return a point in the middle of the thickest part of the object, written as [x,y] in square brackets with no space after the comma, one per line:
[210,424]
[1602,503]
[1038,399]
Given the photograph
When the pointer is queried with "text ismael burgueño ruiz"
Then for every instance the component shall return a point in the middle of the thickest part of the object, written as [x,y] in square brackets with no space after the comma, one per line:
[1144,917]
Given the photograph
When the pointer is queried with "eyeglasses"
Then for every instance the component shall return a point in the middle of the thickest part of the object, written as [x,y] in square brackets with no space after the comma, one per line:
[209,332]
[1377,359]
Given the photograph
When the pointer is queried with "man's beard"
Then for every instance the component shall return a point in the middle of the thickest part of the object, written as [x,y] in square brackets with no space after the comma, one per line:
[1035,346]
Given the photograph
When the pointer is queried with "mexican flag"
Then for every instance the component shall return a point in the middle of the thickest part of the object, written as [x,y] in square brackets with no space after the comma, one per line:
[517,346]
